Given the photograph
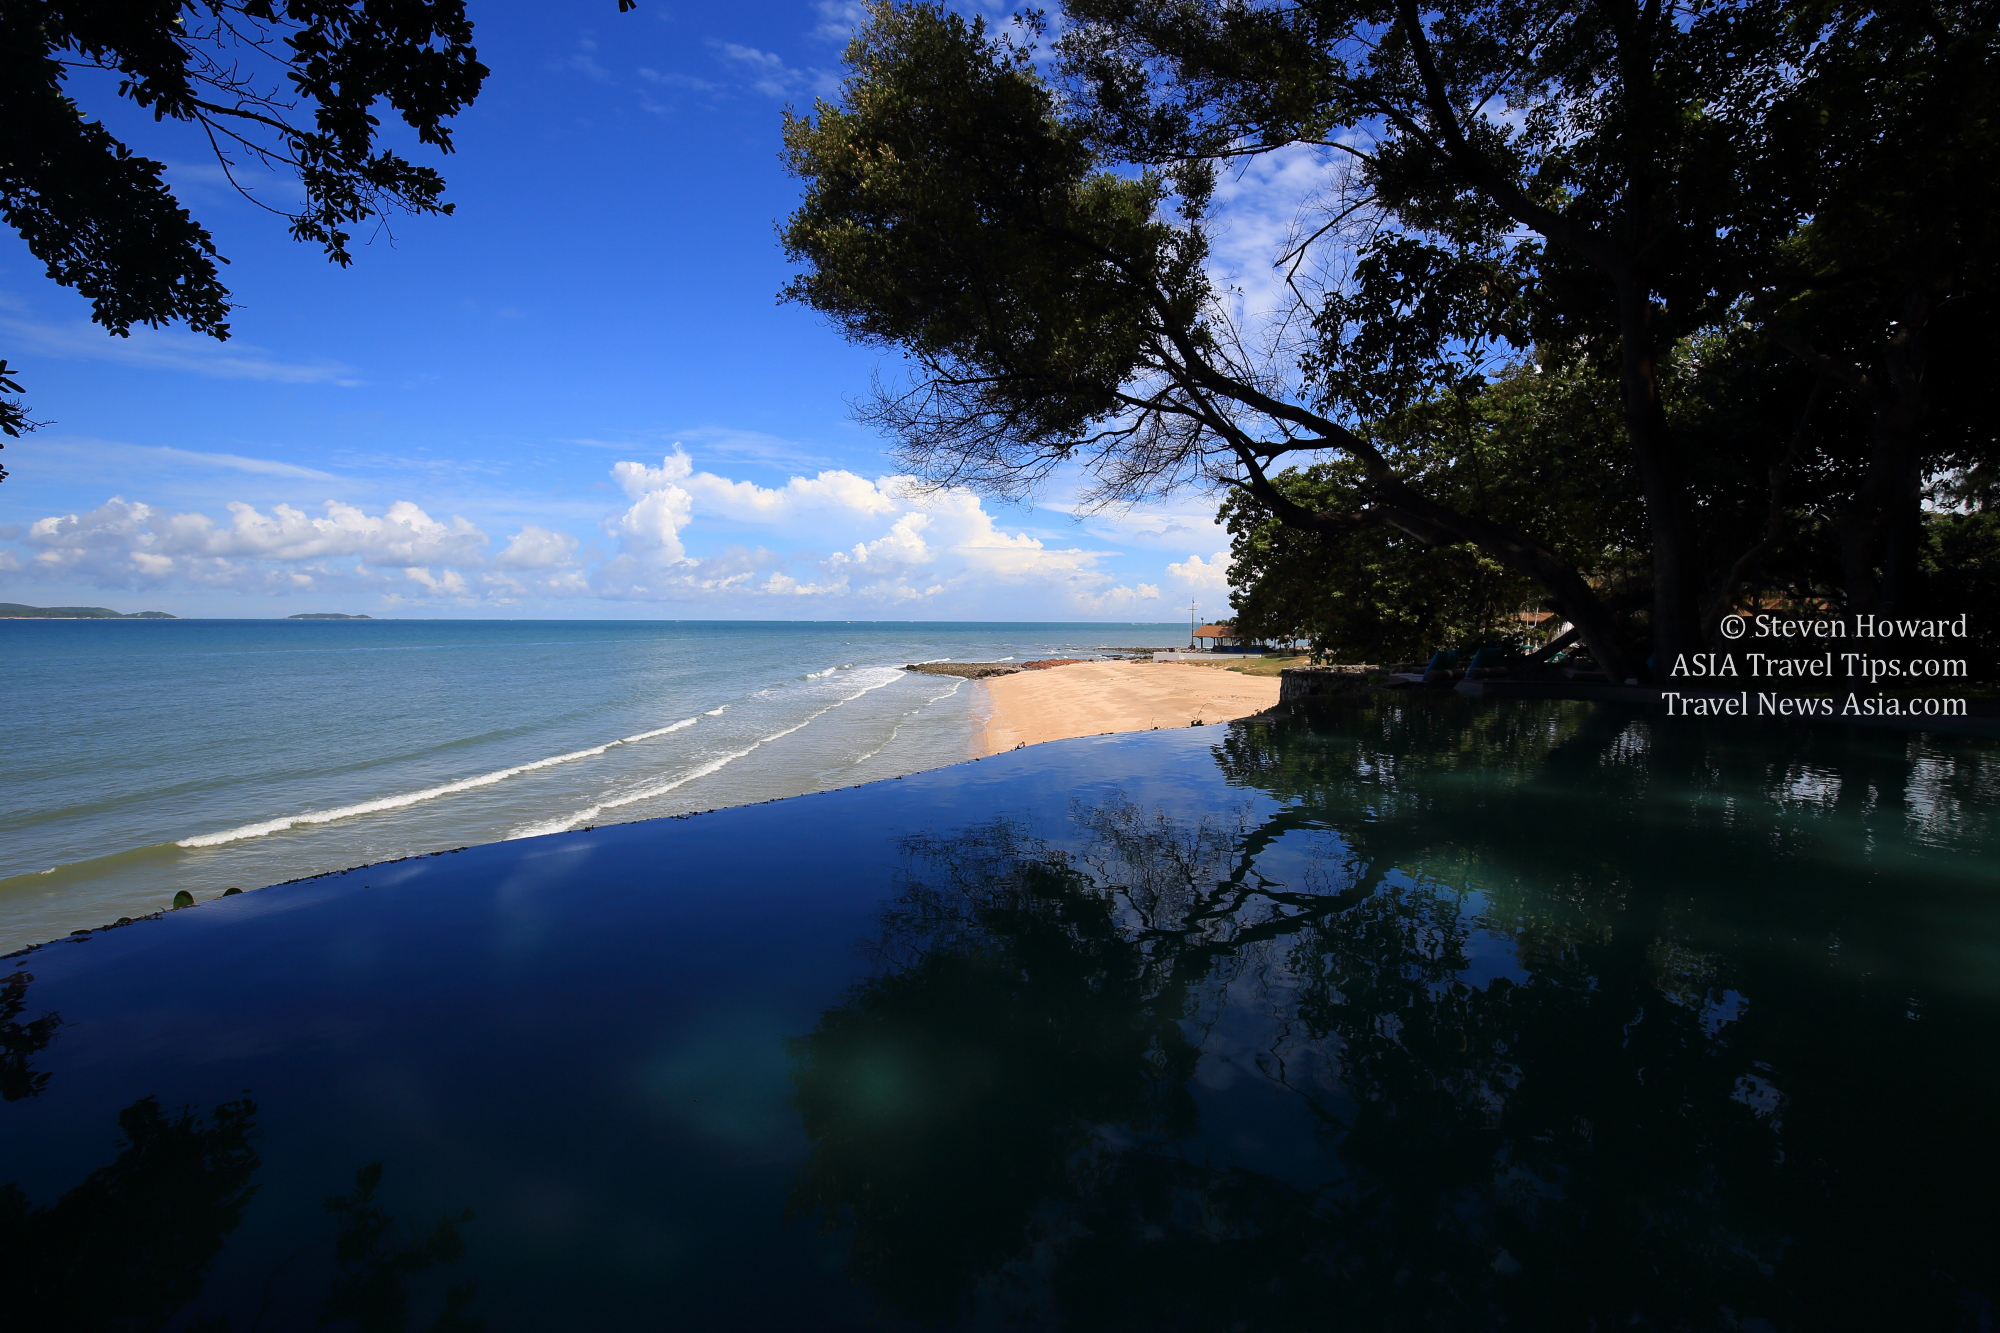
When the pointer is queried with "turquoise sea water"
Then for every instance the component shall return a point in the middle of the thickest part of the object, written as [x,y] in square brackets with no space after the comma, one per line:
[143,758]
[1435,1014]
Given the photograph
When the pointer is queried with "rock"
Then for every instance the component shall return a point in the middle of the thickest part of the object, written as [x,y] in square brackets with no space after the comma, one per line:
[969,670]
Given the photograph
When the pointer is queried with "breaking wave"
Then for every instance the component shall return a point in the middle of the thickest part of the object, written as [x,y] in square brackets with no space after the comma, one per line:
[284,822]
[716,765]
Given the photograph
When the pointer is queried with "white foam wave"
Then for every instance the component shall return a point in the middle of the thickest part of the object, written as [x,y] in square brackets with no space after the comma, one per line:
[662,731]
[716,765]
[716,712]
[893,731]
[897,729]
[406,799]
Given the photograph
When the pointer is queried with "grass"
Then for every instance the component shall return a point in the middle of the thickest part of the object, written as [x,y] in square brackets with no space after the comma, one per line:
[1269,665]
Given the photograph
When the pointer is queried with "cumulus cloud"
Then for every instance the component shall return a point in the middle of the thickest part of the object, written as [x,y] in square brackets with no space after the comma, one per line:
[125,543]
[921,547]
[1212,573]
[537,548]
[845,543]
[838,491]
[1121,600]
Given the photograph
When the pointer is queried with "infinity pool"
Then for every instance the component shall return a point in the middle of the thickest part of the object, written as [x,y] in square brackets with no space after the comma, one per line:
[1446,1014]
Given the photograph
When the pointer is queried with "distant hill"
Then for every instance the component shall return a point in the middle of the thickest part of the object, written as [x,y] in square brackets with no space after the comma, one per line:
[325,615]
[15,611]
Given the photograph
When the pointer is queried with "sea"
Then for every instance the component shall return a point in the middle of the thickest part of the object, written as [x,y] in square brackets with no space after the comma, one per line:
[149,757]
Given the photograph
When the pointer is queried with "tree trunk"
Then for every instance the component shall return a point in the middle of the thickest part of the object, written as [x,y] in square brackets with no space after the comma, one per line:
[1676,555]
[1400,505]
[1881,529]
[1573,597]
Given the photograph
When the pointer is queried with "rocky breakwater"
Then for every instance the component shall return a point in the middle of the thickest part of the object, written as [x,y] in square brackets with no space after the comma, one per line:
[981,670]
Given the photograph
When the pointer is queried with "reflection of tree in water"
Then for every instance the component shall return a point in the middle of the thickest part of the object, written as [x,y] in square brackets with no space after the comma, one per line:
[131,1246]
[1673,1120]
[376,1256]
[947,1099]
[21,1042]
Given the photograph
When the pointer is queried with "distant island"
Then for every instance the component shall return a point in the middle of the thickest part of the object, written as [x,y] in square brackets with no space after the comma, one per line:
[15,611]
[325,615]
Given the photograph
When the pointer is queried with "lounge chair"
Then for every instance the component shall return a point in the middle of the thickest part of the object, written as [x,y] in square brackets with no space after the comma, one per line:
[1439,672]
[1486,663]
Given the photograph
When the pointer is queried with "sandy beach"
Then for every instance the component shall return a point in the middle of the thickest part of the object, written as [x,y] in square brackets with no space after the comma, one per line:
[1092,698]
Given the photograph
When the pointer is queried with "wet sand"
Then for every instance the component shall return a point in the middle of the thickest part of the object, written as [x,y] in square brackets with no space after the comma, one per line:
[1092,698]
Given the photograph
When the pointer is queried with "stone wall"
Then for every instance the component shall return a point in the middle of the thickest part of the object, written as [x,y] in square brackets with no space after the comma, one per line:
[1300,683]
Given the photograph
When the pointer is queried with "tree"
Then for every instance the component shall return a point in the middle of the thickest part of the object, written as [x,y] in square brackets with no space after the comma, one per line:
[291,84]
[1507,179]
[1539,441]
[951,175]
[1889,139]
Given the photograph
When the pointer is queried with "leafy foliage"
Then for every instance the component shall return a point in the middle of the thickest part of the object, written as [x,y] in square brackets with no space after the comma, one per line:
[1660,193]
[1539,448]
[950,212]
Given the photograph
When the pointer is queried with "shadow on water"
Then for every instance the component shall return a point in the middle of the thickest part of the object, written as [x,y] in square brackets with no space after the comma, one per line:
[1539,1017]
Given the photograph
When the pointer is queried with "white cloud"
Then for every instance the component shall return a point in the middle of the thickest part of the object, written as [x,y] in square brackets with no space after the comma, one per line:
[924,545]
[237,462]
[1212,574]
[167,349]
[902,545]
[123,543]
[771,76]
[537,548]
[584,62]
[1121,600]
[830,543]
[1264,207]
[672,80]
[651,528]
[747,501]
[636,479]
[838,19]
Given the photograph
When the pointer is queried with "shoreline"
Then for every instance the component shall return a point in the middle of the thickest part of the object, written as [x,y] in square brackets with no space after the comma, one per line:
[1103,698]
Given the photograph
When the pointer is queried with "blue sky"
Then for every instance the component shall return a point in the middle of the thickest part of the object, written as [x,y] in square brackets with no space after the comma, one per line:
[576,397]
